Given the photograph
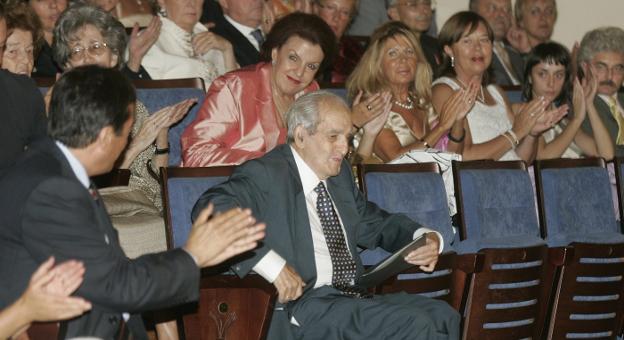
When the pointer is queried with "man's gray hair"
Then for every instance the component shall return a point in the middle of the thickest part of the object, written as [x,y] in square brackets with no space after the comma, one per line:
[75,19]
[305,112]
[604,39]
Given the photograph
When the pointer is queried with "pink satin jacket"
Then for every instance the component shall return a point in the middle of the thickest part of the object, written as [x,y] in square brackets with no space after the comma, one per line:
[237,121]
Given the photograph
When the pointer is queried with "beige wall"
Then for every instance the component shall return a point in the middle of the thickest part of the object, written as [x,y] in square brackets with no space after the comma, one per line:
[575,16]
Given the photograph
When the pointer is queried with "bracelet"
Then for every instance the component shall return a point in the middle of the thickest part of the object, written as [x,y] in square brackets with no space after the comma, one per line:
[426,144]
[162,151]
[513,146]
[513,136]
[457,140]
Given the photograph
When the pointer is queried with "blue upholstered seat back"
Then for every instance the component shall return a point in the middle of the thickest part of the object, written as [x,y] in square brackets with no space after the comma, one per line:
[578,206]
[419,195]
[515,96]
[498,210]
[155,99]
[339,91]
[183,192]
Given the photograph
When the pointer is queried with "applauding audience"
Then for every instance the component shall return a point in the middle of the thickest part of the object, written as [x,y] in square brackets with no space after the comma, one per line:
[491,130]
[394,66]
[548,74]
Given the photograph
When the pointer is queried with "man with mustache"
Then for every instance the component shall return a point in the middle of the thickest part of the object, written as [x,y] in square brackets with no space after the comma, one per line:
[507,63]
[601,55]
[417,15]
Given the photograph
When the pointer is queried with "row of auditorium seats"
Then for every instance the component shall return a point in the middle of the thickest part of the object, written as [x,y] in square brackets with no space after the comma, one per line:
[510,273]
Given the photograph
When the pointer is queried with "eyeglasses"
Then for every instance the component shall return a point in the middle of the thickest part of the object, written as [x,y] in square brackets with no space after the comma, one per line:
[95,49]
[414,4]
[602,68]
[332,9]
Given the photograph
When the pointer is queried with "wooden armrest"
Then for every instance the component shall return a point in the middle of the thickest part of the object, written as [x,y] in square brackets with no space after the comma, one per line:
[470,263]
[560,256]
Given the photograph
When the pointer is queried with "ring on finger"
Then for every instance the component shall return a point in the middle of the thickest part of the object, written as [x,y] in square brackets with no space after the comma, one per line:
[369,107]
[532,114]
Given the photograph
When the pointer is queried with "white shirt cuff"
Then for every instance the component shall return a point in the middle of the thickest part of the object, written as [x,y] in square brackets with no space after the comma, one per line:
[270,266]
[424,230]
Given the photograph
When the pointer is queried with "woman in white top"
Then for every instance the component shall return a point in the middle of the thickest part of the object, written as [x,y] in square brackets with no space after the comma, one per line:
[185,48]
[491,130]
[548,74]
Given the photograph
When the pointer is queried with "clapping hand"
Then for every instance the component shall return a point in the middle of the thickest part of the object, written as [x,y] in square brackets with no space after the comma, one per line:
[205,41]
[225,235]
[458,105]
[141,41]
[373,106]
[518,39]
[48,294]
[155,123]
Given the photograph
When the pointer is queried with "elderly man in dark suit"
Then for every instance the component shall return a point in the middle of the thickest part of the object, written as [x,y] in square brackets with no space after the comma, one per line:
[49,208]
[304,191]
[507,63]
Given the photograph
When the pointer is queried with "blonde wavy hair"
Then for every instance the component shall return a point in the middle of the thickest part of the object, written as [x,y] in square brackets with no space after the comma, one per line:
[368,75]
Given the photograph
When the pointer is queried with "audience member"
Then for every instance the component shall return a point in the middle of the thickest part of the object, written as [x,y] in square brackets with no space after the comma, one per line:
[48,12]
[369,15]
[603,49]
[24,39]
[507,63]
[338,14]
[240,23]
[185,48]
[23,119]
[46,298]
[549,75]
[492,131]
[281,8]
[132,12]
[394,63]
[86,25]
[535,20]
[417,15]
[49,209]
[242,116]
[140,41]
[310,251]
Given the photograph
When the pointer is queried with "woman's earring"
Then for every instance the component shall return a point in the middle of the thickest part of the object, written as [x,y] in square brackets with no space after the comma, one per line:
[162,12]
[273,62]
[452,61]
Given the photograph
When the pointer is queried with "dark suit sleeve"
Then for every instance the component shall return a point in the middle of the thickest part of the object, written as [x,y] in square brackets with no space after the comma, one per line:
[244,190]
[59,219]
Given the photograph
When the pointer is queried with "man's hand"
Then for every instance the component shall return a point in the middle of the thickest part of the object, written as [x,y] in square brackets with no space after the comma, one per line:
[223,236]
[289,285]
[426,256]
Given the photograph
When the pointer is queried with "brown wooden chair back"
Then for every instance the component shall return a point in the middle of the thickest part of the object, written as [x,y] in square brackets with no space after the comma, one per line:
[587,298]
[506,295]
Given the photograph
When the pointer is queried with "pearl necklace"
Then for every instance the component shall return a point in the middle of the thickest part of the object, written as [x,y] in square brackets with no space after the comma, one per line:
[480,95]
[408,106]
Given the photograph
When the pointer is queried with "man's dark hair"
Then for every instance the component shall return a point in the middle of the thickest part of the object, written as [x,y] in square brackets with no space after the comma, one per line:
[87,99]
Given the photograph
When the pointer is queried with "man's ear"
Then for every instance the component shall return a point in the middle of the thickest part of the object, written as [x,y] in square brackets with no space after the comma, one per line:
[393,13]
[300,135]
[104,138]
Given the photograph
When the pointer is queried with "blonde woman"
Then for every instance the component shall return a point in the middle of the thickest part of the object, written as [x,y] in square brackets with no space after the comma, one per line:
[394,63]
